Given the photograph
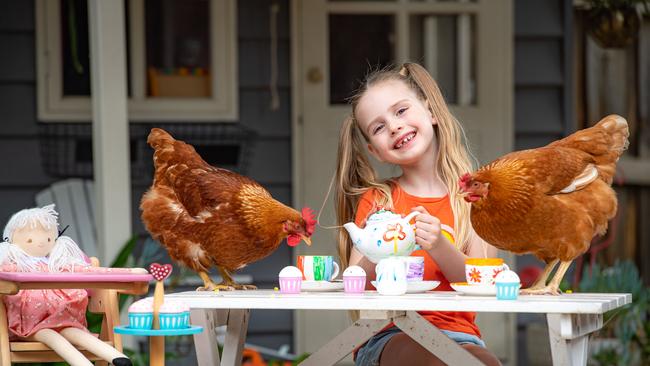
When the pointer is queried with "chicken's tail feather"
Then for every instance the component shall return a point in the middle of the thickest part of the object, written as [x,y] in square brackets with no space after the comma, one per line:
[605,142]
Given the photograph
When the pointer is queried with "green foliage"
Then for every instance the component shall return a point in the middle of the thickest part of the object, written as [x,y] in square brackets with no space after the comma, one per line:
[628,324]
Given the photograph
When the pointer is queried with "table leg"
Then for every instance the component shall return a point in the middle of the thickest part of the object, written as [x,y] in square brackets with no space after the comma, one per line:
[235,336]
[344,343]
[206,346]
[434,340]
[569,337]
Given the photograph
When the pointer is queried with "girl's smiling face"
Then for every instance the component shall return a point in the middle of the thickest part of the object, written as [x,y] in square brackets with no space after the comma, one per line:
[397,123]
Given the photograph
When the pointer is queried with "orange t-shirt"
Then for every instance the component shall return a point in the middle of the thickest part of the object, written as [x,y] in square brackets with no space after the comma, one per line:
[439,207]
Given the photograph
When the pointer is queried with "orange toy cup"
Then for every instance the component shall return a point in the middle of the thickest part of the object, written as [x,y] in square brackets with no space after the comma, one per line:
[483,271]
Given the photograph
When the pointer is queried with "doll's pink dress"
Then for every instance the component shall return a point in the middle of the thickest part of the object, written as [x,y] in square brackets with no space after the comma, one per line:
[29,311]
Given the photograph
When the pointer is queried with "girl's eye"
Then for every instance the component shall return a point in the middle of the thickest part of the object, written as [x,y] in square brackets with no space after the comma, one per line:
[401,111]
[377,129]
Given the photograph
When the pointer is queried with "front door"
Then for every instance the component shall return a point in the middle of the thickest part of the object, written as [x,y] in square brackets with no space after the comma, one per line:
[465,44]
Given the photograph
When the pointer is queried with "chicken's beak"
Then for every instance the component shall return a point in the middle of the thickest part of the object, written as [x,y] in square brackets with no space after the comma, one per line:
[306,239]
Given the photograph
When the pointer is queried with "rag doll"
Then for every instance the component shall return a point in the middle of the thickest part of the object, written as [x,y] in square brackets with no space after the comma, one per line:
[55,317]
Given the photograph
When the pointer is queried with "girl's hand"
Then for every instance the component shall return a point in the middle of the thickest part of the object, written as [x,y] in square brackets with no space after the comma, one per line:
[427,229]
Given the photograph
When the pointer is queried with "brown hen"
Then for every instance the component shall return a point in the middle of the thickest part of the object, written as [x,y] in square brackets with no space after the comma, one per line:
[207,216]
[549,201]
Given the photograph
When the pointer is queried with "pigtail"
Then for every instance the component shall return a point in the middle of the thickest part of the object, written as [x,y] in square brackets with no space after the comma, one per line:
[13,254]
[354,176]
[65,255]
[453,159]
[349,161]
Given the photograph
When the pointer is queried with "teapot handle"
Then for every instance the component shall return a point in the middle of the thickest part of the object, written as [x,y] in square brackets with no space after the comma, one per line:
[410,216]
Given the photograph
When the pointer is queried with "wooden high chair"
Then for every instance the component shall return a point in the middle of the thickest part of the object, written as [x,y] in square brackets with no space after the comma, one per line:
[103,291]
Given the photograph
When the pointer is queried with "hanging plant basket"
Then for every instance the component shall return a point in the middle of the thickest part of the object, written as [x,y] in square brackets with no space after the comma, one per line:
[613,28]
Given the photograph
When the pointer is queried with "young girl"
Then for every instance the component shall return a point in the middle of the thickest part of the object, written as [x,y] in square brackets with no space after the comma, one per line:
[56,317]
[402,118]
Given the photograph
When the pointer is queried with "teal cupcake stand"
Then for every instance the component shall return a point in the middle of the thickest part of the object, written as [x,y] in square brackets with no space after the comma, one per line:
[156,335]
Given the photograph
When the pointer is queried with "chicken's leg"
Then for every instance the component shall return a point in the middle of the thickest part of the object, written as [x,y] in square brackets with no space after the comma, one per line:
[553,287]
[209,285]
[229,284]
[541,281]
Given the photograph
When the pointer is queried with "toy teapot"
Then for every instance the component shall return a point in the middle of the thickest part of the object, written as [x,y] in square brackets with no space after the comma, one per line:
[386,234]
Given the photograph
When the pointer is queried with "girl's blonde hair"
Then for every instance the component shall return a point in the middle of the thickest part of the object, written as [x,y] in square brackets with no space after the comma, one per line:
[355,175]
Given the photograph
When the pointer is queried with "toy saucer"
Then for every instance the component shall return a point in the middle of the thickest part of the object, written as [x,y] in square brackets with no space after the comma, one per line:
[478,290]
[415,287]
[321,286]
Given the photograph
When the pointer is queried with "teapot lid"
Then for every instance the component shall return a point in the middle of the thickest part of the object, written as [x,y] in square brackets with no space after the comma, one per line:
[382,215]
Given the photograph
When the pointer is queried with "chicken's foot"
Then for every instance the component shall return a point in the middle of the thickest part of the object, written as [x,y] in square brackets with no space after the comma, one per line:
[208,284]
[231,284]
[541,281]
[552,288]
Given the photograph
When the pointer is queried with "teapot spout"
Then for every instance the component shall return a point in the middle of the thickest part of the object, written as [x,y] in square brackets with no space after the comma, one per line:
[354,231]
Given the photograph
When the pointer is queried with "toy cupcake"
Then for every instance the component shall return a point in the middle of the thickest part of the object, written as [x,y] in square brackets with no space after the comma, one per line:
[290,280]
[354,280]
[174,315]
[507,284]
[141,314]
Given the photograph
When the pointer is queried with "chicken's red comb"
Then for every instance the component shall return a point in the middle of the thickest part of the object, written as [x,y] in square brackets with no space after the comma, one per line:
[464,180]
[310,223]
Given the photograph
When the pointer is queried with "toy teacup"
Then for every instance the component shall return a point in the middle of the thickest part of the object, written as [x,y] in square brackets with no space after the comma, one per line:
[483,271]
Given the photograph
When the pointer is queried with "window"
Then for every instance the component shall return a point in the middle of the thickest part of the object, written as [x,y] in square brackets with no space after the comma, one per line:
[181,60]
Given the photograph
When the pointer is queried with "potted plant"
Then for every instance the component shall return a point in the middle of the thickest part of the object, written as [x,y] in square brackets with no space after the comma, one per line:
[624,338]
[614,23]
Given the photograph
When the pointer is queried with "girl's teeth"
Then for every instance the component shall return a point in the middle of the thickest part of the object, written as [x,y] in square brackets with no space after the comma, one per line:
[405,140]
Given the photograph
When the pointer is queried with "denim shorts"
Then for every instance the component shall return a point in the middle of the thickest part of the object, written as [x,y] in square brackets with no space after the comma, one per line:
[370,353]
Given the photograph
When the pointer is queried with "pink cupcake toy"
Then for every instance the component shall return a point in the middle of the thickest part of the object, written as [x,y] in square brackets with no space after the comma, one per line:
[290,280]
[174,315]
[354,280]
[141,314]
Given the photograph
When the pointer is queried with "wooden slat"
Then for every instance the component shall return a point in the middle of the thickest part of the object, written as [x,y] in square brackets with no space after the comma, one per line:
[83,217]
[45,356]
[65,209]
[38,346]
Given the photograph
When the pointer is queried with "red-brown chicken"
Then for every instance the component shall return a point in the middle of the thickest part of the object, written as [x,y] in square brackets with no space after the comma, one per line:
[207,216]
[549,201]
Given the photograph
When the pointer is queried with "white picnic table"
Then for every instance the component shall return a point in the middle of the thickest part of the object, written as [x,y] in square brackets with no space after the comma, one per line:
[571,318]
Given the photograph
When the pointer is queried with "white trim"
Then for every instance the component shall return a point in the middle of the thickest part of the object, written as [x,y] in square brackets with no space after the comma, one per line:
[222,106]
[110,127]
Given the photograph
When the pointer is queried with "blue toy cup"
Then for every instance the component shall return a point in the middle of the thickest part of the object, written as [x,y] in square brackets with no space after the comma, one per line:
[174,320]
[507,291]
[140,320]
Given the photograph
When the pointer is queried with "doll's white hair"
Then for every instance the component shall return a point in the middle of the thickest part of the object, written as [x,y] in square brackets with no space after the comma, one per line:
[31,217]
[65,253]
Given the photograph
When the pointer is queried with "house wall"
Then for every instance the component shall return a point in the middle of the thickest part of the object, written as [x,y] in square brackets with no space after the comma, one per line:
[26,146]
